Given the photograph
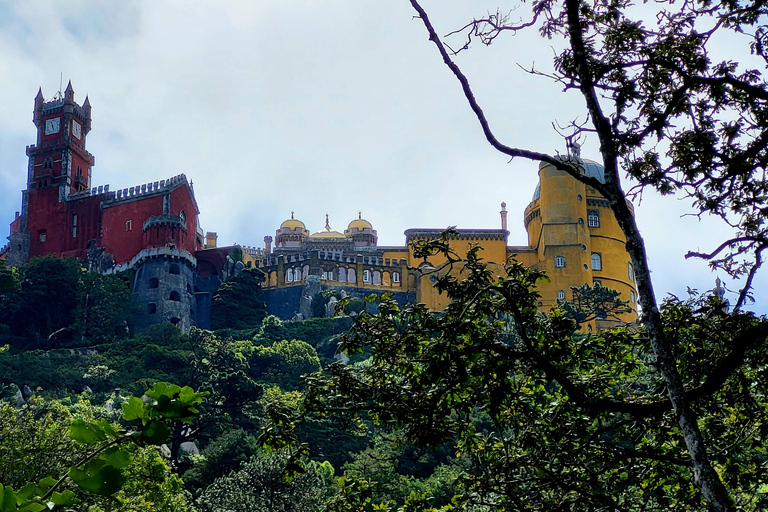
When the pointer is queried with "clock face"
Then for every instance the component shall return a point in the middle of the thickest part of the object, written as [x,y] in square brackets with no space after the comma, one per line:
[52,125]
[76,129]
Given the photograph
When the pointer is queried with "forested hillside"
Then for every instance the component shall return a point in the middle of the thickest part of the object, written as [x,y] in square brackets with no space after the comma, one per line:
[69,352]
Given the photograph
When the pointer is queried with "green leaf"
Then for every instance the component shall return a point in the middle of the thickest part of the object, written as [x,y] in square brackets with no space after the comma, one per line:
[9,500]
[32,507]
[155,432]
[86,433]
[64,499]
[98,478]
[133,409]
[117,457]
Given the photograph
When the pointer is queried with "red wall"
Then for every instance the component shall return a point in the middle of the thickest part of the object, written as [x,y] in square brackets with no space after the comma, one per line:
[125,244]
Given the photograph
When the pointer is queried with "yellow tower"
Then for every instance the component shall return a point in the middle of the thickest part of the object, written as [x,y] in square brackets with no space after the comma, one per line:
[576,237]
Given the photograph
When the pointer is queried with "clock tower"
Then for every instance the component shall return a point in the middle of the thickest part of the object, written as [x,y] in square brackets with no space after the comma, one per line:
[56,217]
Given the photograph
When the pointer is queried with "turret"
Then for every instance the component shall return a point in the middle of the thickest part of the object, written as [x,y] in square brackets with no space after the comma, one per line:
[504,216]
[38,115]
[268,244]
[87,120]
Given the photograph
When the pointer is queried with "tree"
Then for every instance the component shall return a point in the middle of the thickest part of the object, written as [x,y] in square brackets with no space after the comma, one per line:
[261,486]
[284,362]
[237,303]
[549,417]
[101,458]
[677,122]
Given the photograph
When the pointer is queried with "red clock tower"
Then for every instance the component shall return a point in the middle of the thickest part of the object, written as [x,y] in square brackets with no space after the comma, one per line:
[52,220]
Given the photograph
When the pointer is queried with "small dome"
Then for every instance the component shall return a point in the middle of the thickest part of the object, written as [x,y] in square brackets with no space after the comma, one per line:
[591,168]
[594,170]
[359,223]
[327,232]
[293,224]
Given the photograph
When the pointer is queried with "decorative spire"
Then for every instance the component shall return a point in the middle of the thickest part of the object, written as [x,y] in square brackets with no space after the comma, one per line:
[327,225]
[359,215]
[291,214]
[69,91]
[86,103]
[39,94]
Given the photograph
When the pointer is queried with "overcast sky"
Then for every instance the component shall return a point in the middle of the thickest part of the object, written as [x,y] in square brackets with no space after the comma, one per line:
[333,106]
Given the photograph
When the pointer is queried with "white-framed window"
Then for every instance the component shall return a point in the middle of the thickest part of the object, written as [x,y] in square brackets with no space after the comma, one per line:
[632,296]
[559,261]
[128,225]
[631,272]
[561,294]
[289,275]
[395,277]
[593,218]
[366,276]
[597,261]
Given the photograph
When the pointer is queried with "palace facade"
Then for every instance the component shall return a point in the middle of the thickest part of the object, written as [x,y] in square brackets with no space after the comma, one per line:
[153,228]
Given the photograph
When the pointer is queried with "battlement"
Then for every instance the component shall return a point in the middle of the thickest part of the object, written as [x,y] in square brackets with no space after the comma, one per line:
[60,142]
[164,220]
[147,189]
[95,191]
[257,252]
[155,252]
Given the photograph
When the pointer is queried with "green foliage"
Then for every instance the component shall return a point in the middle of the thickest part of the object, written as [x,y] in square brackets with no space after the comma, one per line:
[99,456]
[542,416]
[56,303]
[46,300]
[237,303]
[260,486]
[284,362]
[224,454]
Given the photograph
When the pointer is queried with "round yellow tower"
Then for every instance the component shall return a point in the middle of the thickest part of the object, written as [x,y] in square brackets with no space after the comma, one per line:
[577,238]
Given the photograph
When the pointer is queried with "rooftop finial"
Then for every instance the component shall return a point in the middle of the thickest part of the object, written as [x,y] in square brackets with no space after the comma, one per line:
[327,225]
[291,214]
[575,149]
[359,215]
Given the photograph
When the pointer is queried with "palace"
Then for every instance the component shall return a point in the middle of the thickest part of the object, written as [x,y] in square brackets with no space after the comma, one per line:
[153,228]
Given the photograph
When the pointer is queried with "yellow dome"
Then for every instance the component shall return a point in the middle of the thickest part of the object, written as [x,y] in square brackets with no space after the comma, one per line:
[327,234]
[293,223]
[360,224]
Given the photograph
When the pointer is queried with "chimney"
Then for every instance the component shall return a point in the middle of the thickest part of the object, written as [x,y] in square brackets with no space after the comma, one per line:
[504,216]
[210,240]
[268,244]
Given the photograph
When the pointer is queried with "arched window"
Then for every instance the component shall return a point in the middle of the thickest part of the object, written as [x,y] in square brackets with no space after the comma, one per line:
[351,276]
[151,308]
[597,261]
[631,273]
[183,217]
[559,261]
[175,320]
[376,277]
[632,296]
[366,276]
[593,218]
[175,296]
[48,165]
[342,274]
[561,294]
[289,275]
[154,283]
[174,269]
[395,277]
